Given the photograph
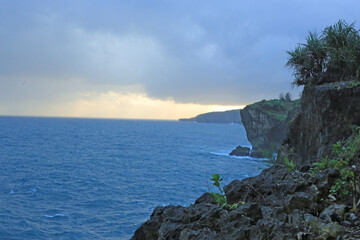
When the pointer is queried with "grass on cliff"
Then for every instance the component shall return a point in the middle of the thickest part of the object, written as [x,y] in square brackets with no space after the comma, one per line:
[276,108]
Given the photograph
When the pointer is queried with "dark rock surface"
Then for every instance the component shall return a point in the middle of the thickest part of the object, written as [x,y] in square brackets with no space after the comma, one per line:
[279,205]
[266,124]
[240,151]
[327,113]
[231,116]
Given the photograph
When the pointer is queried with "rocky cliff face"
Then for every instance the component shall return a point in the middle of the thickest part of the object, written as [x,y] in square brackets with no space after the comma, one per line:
[280,204]
[328,112]
[266,123]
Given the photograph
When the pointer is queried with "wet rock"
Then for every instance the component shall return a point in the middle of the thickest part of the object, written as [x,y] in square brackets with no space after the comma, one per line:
[240,151]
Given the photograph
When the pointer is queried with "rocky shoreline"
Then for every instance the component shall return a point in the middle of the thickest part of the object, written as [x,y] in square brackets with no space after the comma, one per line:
[279,204]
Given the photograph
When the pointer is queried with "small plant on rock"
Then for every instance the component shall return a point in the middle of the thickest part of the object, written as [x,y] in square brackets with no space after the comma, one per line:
[345,160]
[220,196]
[291,166]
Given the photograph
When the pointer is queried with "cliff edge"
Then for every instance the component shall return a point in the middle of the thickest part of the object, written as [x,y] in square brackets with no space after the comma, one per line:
[328,113]
[266,124]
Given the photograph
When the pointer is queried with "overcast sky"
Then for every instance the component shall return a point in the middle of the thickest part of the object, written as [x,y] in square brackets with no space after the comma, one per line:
[151,59]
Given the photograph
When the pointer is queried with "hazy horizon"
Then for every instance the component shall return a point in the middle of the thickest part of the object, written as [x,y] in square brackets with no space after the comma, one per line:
[212,109]
[151,60]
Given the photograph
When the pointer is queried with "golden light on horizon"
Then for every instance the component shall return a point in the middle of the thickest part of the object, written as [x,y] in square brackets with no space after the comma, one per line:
[113,104]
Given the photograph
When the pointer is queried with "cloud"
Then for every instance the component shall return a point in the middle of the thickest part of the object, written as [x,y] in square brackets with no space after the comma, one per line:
[204,52]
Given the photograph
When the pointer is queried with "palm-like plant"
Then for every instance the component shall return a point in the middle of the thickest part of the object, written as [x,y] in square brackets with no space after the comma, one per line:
[335,54]
[342,43]
[308,59]
[297,61]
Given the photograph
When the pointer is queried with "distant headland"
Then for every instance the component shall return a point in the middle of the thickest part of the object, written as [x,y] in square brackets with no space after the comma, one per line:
[231,116]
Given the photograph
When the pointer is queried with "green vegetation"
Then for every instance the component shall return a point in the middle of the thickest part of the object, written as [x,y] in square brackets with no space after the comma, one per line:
[276,108]
[220,196]
[284,156]
[345,160]
[291,166]
[333,55]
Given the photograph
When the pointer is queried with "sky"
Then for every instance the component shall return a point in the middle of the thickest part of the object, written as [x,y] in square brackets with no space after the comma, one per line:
[152,59]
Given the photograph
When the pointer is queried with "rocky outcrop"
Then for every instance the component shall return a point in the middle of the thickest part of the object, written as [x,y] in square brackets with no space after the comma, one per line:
[240,151]
[266,124]
[279,204]
[327,115]
[232,116]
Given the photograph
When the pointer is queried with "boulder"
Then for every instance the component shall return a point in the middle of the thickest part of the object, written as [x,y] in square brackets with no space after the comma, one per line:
[240,151]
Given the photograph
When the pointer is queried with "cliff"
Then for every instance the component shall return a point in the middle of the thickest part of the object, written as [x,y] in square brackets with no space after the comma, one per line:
[279,203]
[266,124]
[328,113]
[231,116]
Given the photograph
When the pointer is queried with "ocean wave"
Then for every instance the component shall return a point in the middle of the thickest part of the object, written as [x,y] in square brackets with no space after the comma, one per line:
[56,215]
[239,157]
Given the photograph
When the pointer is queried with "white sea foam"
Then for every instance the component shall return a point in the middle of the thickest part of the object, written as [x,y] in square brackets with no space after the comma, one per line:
[33,190]
[56,215]
[240,157]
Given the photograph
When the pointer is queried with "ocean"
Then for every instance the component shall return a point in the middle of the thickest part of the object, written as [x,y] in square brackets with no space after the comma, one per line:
[64,178]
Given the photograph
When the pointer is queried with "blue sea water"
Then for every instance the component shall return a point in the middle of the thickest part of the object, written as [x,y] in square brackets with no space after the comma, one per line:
[100,179]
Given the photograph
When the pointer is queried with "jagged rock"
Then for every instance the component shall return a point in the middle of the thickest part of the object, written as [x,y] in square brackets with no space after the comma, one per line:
[299,200]
[323,230]
[279,203]
[205,198]
[240,151]
[334,213]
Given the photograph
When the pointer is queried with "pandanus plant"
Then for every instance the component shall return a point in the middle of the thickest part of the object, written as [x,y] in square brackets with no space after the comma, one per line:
[333,55]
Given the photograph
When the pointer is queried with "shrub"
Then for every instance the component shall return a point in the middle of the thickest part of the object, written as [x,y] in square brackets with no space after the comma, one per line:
[345,160]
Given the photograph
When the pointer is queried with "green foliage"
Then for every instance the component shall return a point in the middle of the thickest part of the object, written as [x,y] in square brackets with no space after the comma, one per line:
[345,160]
[353,84]
[275,108]
[335,53]
[220,196]
[291,166]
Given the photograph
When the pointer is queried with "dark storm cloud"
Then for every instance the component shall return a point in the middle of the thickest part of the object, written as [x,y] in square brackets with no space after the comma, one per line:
[213,52]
